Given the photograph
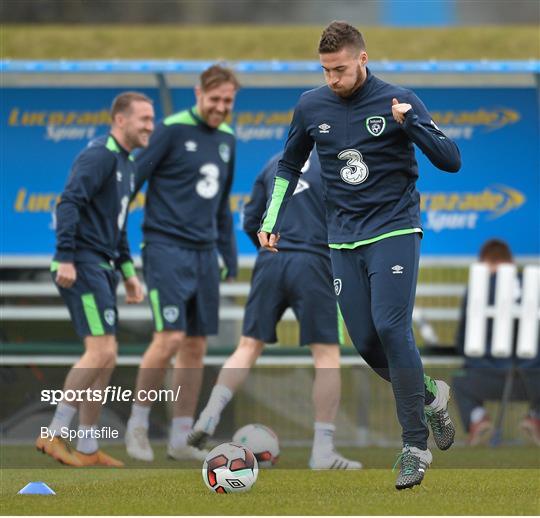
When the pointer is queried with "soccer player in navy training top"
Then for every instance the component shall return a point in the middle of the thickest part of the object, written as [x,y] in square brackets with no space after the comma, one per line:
[91,243]
[189,167]
[305,275]
[364,129]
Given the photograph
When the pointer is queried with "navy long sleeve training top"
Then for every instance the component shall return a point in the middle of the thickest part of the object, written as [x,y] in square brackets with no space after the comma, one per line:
[304,224]
[92,213]
[189,167]
[368,162]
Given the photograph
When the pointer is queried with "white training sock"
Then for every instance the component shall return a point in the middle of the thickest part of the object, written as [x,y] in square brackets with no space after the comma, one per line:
[180,429]
[62,417]
[140,416]
[436,403]
[219,398]
[323,439]
[478,413]
[88,443]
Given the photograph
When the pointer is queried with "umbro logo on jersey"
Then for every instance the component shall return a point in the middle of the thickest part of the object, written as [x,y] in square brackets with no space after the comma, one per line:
[337,286]
[324,128]
[119,175]
[397,269]
[190,145]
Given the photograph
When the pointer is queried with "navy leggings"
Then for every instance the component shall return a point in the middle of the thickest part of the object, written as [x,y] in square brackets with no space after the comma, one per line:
[376,286]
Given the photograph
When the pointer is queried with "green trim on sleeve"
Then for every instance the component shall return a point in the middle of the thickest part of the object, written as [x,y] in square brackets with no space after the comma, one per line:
[156,310]
[183,117]
[106,266]
[112,145]
[356,244]
[278,193]
[128,269]
[92,314]
[340,326]
[54,266]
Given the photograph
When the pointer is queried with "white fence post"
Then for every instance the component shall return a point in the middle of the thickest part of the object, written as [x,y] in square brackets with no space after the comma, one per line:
[511,304]
[475,332]
[527,345]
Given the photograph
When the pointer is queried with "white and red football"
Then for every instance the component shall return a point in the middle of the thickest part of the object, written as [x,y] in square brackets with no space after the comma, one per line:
[262,441]
[230,468]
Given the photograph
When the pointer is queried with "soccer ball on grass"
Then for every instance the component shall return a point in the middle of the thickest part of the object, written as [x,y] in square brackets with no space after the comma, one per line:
[262,441]
[230,468]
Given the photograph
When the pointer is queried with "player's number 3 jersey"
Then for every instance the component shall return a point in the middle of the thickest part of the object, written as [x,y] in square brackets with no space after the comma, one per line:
[368,161]
[189,167]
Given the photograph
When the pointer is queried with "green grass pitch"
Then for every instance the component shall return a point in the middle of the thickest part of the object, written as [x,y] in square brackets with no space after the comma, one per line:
[462,482]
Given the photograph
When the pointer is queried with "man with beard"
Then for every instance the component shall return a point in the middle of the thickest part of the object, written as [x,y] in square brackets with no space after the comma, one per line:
[364,130]
[189,167]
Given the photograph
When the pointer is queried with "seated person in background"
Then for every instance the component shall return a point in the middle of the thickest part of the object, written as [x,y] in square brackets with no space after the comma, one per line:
[483,378]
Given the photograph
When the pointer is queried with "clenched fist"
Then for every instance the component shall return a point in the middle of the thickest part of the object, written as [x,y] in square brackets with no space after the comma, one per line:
[399,110]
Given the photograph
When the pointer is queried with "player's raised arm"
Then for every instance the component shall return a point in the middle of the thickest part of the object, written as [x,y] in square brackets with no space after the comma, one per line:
[416,121]
[297,149]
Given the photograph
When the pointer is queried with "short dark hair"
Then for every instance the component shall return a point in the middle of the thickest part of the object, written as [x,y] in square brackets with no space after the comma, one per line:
[215,76]
[122,102]
[339,35]
[495,251]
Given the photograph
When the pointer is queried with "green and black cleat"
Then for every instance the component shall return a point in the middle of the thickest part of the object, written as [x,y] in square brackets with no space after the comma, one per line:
[414,463]
[439,420]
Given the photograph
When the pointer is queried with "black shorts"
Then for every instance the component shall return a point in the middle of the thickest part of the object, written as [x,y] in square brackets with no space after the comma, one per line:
[301,281]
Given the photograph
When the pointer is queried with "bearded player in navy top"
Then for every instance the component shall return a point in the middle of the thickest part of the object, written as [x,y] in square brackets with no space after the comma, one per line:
[91,244]
[305,274]
[365,130]
[189,168]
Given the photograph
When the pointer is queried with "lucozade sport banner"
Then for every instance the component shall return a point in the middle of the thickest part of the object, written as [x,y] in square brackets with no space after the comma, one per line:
[496,193]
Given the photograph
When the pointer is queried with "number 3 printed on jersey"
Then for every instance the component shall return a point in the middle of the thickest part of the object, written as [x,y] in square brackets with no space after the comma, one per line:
[208,186]
[356,171]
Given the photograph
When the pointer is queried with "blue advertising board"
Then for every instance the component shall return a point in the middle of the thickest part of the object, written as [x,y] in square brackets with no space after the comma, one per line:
[496,194]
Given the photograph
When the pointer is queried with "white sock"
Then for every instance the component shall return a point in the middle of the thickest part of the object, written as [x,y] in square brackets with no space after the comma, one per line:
[180,429]
[323,439]
[439,402]
[219,398]
[425,455]
[87,444]
[62,417]
[140,416]
[477,414]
